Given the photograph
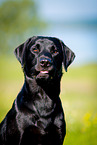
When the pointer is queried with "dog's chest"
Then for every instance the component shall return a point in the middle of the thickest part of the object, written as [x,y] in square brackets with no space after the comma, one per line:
[37,113]
[44,105]
[26,121]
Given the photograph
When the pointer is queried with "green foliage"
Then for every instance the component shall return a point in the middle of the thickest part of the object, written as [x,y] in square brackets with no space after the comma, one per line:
[78,95]
[18,20]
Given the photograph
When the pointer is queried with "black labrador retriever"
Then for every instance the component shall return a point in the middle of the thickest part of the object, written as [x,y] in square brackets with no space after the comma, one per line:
[36,117]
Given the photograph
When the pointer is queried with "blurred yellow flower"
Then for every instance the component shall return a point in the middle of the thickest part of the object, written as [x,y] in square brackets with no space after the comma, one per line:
[86,121]
[95,119]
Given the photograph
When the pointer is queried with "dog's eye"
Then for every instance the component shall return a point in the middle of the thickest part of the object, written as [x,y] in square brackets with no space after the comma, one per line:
[54,50]
[35,50]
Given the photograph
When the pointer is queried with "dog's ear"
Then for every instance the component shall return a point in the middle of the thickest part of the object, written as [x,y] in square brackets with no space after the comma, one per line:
[20,50]
[68,56]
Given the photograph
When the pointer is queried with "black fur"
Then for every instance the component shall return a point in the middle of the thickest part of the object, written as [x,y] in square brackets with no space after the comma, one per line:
[36,117]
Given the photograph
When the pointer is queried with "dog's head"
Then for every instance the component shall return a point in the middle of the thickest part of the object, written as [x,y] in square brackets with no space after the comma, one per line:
[42,57]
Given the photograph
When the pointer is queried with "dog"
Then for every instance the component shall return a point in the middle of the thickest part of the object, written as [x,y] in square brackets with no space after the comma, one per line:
[36,116]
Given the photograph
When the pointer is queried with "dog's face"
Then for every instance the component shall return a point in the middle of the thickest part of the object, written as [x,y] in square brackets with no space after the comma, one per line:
[42,57]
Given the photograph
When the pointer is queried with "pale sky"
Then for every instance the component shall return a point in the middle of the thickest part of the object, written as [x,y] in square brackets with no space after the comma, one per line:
[68,9]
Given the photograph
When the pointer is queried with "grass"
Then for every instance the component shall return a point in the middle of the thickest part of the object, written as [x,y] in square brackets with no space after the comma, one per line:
[78,95]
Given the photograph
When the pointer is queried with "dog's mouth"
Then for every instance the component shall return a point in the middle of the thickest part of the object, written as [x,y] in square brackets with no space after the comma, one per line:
[44,76]
[44,72]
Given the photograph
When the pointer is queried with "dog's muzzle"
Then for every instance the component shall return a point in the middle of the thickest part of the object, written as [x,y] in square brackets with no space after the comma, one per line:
[45,68]
[45,62]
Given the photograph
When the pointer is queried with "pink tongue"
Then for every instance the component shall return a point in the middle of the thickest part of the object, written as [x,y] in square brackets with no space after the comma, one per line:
[44,72]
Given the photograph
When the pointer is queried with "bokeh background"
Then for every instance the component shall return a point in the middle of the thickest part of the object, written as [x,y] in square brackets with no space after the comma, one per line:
[74,22]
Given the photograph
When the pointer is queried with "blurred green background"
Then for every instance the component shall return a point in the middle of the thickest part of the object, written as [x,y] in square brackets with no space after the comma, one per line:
[77,27]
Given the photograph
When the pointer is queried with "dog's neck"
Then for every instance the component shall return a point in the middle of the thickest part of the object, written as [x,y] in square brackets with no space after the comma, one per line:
[51,89]
[47,97]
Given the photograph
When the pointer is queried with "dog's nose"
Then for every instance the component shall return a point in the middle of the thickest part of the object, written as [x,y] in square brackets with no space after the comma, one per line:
[45,62]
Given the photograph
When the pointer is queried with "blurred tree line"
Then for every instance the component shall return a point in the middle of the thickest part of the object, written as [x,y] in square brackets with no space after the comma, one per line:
[18,21]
